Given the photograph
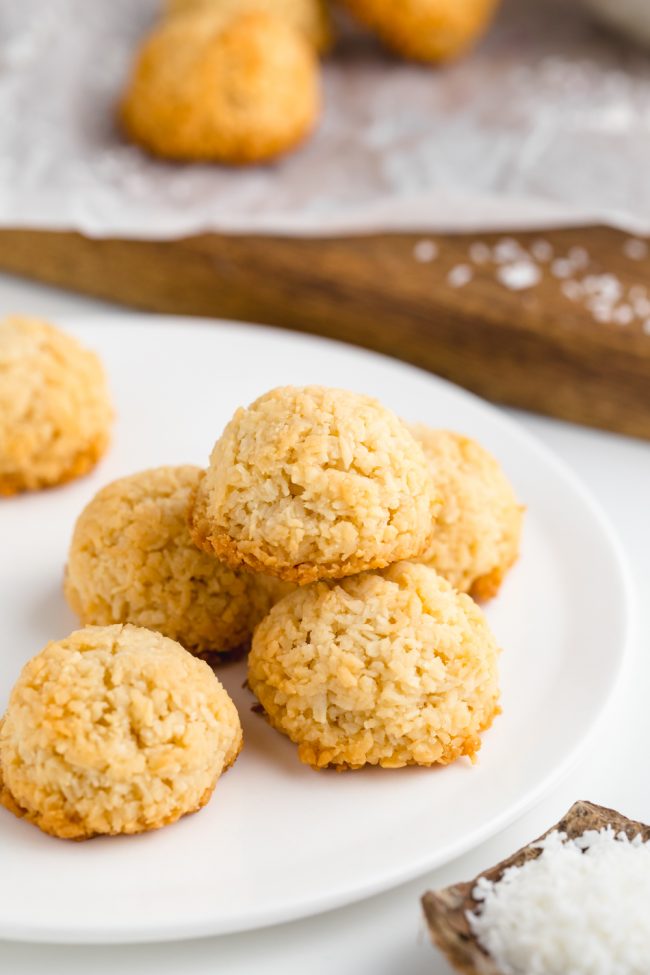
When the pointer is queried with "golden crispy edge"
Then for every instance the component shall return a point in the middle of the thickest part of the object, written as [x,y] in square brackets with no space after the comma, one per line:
[76,832]
[469,749]
[310,754]
[486,587]
[242,157]
[227,550]
[71,830]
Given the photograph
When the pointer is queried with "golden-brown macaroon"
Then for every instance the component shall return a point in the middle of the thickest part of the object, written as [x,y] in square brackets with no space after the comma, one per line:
[478,527]
[55,409]
[426,30]
[132,560]
[310,17]
[311,483]
[245,92]
[114,730]
[393,668]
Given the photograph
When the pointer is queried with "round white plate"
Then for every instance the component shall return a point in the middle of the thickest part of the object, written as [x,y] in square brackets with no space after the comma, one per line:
[278,840]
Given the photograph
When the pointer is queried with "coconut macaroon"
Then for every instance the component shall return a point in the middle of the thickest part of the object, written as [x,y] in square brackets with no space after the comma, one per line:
[393,668]
[55,410]
[132,560]
[310,17]
[311,483]
[242,91]
[478,527]
[114,730]
[426,30]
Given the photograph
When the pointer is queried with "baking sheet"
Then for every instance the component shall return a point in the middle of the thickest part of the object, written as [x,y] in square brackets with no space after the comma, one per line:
[547,123]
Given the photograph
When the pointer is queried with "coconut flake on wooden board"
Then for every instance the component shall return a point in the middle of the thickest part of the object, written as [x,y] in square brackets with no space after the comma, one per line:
[448,912]
[581,906]
[521,268]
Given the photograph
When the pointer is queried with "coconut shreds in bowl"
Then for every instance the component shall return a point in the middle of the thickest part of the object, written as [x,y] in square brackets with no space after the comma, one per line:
[447,910]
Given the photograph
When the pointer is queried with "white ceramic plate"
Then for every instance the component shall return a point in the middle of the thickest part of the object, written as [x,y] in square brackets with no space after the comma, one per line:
[279,841]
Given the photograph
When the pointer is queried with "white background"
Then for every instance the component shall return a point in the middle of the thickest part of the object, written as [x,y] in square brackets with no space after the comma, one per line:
[385,935]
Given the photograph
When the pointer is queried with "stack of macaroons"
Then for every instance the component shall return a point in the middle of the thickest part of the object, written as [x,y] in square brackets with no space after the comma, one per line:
[238,81]
[331,539]
[338,544]
[374,658]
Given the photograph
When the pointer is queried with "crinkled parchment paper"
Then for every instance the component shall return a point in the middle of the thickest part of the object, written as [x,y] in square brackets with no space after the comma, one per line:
[548,122]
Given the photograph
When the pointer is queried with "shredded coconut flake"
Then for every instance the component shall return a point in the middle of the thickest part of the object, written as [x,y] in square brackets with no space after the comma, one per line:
[623,315]
[580,908]
[635,249]
[519,275]
[638,293]
[479,252]
[609,286]
[561,268]
[460,275]
[425,251]
[579,257]
[572,290]
[507,250]
[542,251]
[601,314]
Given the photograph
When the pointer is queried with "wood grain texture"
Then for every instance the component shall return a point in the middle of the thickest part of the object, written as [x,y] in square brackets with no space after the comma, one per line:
[446,910]
[534,349]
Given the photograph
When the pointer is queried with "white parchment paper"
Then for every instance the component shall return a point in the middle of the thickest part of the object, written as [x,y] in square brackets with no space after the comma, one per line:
[548,122]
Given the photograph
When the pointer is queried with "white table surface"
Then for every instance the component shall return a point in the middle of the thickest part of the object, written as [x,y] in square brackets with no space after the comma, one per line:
[385,935]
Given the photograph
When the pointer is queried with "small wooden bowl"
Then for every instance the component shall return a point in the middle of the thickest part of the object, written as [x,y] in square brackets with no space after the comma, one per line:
[445,910]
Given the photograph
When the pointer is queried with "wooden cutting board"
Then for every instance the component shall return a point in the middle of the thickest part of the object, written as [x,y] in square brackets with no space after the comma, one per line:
[535,348]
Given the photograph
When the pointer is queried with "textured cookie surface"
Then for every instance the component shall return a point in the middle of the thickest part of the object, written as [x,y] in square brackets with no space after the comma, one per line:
[132,561]
[478,526]
[426,30]
[310,17]
[312,482]
[114,730]
[392,668]
[55,411]
[245,91]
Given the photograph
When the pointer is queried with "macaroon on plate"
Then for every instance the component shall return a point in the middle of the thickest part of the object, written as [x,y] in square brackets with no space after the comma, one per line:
[424,667]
